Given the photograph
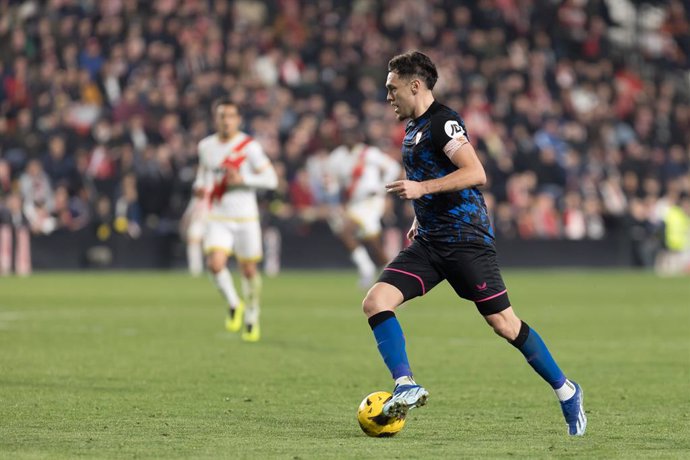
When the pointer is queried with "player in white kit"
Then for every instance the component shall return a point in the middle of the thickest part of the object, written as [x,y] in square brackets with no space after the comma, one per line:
[361,172]
[192,228]
[231,167]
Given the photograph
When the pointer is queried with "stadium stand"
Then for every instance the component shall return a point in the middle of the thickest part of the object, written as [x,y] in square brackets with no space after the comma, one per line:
[580,110]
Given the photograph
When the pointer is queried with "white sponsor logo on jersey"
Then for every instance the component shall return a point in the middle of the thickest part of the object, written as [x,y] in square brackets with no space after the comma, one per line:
[452,128]
[417,138]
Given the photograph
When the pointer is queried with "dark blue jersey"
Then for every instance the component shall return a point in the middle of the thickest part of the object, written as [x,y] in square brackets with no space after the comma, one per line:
[444,217]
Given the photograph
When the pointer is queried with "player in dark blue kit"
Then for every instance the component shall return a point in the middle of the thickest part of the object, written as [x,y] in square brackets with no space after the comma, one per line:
[452,240]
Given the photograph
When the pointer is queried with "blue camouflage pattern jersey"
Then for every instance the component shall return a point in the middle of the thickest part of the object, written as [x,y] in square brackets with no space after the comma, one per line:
[450,217]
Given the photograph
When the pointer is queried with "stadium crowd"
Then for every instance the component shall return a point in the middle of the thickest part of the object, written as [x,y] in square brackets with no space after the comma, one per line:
[580,110]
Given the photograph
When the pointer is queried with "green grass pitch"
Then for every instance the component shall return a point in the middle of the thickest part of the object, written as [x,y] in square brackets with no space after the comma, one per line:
[137,365]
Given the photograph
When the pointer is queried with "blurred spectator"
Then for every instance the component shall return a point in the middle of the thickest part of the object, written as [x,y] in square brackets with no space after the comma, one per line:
[103,219]
[59,167]
[128,216]
[15,242]
[5,180]
[37,196]
[301,195]
[545,218]
[575,227]
[643,234]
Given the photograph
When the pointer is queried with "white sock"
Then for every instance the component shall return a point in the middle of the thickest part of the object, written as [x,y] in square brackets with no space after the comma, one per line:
[565,392]
[224,284]
[364,264]
[195,258]
[251,289]
[405,380]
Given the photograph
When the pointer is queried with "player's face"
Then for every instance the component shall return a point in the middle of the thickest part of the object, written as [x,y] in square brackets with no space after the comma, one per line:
[399,95]
[227,120]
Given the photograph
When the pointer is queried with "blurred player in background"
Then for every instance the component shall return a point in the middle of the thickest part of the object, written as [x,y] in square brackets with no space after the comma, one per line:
[231,167]
[361,172]
[452,240]
[193,225]
[674,259]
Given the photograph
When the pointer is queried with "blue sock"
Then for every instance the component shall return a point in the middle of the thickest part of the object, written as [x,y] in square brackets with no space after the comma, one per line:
[391,343]
[538,356]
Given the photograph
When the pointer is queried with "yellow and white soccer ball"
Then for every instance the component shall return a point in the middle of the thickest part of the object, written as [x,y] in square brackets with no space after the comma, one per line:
[371,418]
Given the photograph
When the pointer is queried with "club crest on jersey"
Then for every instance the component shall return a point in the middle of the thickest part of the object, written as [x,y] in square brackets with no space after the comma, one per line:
[417,138]
[453,128]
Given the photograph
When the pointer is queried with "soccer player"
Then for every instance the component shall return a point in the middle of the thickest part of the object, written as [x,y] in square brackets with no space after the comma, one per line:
[231,167]
[452,240]
[361,171]
[192,226]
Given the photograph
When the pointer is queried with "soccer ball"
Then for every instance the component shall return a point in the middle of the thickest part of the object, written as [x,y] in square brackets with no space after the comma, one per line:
[371,418]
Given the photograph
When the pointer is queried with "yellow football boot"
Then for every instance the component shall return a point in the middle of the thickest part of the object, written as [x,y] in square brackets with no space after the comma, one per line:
[251,333]
[233,322]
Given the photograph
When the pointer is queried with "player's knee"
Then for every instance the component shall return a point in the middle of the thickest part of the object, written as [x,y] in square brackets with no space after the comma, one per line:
[215,263]
[212,266]
[381,297]
[377,301]
[371,305]
[506,327]
[248,270]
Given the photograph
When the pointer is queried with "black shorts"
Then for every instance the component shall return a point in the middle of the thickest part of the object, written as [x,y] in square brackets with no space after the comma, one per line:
[471,268]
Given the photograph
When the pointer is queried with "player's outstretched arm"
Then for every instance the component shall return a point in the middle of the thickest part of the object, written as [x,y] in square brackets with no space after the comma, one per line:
[265,178]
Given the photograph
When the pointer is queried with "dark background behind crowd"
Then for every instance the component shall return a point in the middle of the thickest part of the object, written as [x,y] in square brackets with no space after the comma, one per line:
[580,110]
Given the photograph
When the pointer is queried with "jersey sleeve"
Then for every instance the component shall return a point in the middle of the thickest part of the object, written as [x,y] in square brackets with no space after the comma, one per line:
[204,177]
[448,132]
[262,174]
[256,156]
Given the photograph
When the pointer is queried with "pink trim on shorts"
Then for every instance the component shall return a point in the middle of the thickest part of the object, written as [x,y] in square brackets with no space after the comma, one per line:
[410,274]
[492,297]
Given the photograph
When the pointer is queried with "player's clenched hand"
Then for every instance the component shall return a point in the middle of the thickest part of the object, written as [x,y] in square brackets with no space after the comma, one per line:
[233,178]
[406,189]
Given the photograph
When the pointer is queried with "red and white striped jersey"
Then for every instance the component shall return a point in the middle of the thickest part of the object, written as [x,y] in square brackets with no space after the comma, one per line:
[362,171]
[215,158]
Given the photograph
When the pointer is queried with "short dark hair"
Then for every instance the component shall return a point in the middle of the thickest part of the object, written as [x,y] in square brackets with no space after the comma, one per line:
[225,100]
[414,64]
